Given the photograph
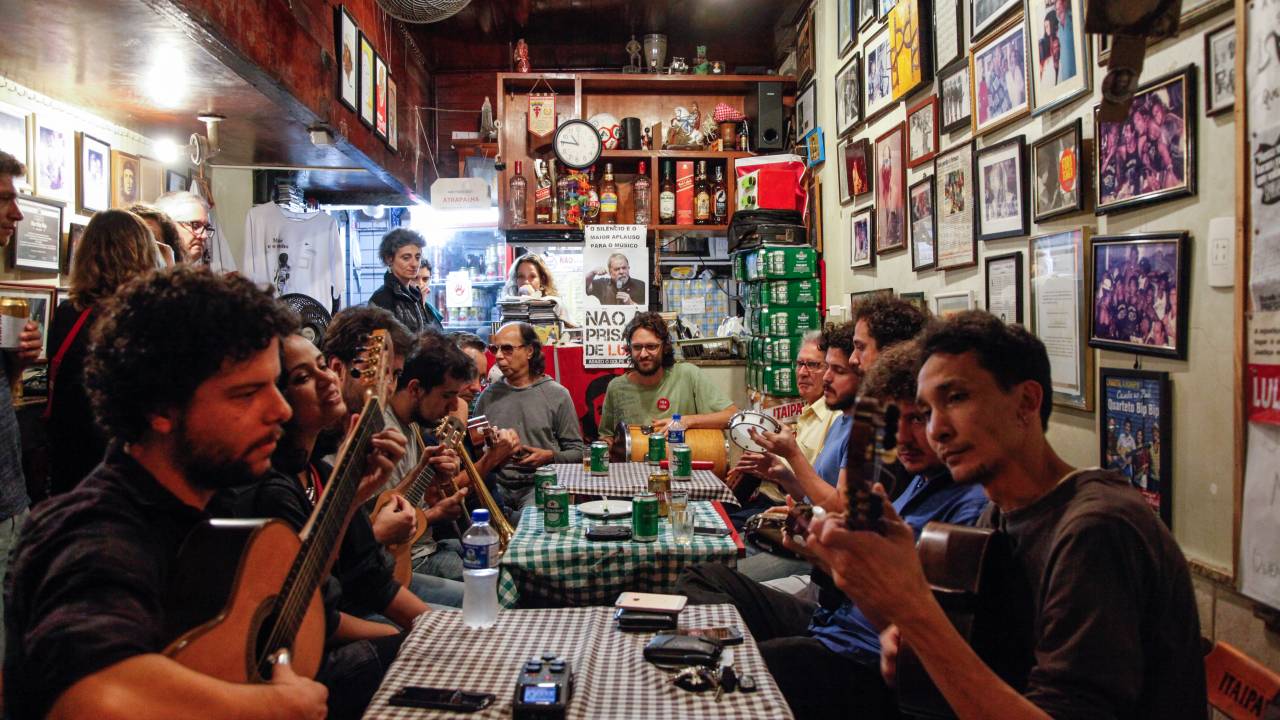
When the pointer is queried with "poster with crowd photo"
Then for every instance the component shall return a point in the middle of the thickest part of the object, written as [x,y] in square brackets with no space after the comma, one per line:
[1135,438]
[1140,294]
[615,260]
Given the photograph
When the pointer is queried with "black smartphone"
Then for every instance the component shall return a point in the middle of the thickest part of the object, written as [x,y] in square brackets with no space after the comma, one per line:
[722,635]
[719,531]
[609,532]
[441,699]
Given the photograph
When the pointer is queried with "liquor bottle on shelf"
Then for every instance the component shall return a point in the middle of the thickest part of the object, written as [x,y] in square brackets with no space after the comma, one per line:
[542,193]
[517,193]
[701,196]
[641,196]
[667,197]
[564,188]
[554,177]
[719,199]
[593,197]
[608,197]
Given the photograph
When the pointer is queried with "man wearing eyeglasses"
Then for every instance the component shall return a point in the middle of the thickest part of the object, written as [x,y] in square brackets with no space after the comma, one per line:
[658,387]
[537,407]
[191,214]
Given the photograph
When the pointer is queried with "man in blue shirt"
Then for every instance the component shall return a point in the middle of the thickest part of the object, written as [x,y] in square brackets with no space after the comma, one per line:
[826,660]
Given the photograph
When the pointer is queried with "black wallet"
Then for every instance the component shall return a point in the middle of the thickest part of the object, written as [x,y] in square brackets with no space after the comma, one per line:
[681,650]
[641,621]
[609,532]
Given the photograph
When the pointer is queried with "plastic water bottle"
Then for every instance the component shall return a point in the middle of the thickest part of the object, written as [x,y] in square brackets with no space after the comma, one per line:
[480,572]
[675,431]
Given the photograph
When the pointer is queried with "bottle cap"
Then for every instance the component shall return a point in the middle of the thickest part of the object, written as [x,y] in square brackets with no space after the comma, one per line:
[480,515]
[675,417]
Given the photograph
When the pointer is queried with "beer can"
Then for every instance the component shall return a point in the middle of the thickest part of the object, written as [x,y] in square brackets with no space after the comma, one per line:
[555,513]
[660,486]
[543,478]
[599,458]
[657,448]
[644,517]
[14,313]
[681,462]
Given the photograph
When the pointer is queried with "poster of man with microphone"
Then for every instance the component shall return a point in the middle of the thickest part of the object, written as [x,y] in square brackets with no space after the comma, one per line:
[615,258]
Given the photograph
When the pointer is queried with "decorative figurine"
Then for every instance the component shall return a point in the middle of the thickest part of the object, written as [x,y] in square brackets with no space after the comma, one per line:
[685,131]
[488,131]
[678,66]
[633,56]
[522,56]
[647,142]
[700,64]
[717,67]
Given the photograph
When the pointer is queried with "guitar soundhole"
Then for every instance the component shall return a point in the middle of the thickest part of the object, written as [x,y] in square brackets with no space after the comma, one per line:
[258,655]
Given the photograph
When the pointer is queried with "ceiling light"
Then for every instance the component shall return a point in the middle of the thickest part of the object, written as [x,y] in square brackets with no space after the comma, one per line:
[166,150]
[166,82]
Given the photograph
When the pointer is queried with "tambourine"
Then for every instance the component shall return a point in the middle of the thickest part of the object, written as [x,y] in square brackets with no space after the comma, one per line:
[744,421]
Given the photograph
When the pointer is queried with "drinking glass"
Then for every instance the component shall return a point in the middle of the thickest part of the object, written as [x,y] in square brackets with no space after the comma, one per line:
[682,525]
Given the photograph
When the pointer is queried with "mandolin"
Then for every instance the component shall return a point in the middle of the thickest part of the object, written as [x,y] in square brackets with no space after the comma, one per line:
[251,586]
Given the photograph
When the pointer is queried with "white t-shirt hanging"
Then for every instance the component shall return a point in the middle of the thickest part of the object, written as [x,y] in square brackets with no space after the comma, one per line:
[294,252]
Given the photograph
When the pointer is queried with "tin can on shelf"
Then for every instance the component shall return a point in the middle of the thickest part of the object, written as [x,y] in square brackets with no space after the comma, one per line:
[644,517]
[555,513]
[681,462]
[660,486]
[14,313]
[543,478]
[657,448]
[600,458]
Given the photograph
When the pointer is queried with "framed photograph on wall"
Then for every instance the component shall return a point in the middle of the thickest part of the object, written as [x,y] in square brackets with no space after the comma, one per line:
[849,95]
[815,148]
[126,179]
[1056,168]
[175,181]
[866,13]
[15,139]
[998,77]
[1135,433]
[94,190]
[846,31]
[924,224]
[74,231]
[1197,11]
[917,299]
[347,42]
[806,50]
[1104,49]
[39,308]
[1140,293]
[393,116]
[1131,174]
[948,32]
[1220,69]
[911,47]
[55,160]
[1004,287]
[947,304]
[862,295]
[986,14]
[855,166]
[922,131]
[366,81]
[953,85]
[1060,312]
[1060,68]
[862,250]
[806,110]
[877,81]
[815,211]
[1002,190]
[957,245]
[37,238]
[842,155]
[380,96]
[884,7]
[891,174]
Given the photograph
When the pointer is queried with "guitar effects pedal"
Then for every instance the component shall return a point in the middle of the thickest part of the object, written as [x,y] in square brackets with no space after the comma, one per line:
[543,689]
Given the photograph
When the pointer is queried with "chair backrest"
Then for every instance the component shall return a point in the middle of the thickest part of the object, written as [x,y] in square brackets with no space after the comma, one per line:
[1239,686]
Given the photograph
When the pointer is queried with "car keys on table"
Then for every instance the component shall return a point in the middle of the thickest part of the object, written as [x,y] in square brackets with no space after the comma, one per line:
[727,680]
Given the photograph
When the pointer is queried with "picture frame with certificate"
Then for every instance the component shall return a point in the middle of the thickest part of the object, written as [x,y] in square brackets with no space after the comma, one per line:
[849,95]
[924,224]
[37,238]
[957,245]
[347,48]
[1135,439]
[1057,161]
[1140,292]
[1220,69]
[922,131]
[1001,173]
[1060,68]
[891,168]
[1004,287]
[950,303]
[93,192]
[1059,312]
[998,77]
[39,308]
[956,105]
[862,238]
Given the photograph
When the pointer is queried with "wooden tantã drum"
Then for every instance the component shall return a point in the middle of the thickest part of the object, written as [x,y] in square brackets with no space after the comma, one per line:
[707,445]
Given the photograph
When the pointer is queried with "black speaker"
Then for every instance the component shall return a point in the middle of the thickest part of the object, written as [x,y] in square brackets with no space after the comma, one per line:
[764,112]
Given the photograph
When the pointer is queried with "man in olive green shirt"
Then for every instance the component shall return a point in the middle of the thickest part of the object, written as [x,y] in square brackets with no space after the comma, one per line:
[656,387]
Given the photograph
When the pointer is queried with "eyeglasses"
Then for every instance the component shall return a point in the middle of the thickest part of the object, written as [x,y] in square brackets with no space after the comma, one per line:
[811,365]
[504,349]
[645,347]
[199,227]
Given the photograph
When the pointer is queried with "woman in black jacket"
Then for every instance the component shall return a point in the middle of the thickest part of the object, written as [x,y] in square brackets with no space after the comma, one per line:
[401,252]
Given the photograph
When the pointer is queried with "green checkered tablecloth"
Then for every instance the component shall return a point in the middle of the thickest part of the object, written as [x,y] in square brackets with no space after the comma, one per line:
[565,568]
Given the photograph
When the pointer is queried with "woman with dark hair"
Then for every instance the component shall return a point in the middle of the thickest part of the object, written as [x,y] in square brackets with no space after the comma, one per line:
[116,247]
[401,252]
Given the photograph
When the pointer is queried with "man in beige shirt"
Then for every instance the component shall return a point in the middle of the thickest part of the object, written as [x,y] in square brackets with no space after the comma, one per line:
[813,422]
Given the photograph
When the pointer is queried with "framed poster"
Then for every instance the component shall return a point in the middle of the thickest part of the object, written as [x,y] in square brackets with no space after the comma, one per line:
[1132,173]
[94,190]
[806,50]
[846,31]
[1060,49]
[1060,311]
[366,81]
[891,233]
[862,238]
[37,238]
[917,299]
[126,179]
[15,139]
[998,77]
[855,166]
[1055,166]
[393,116]
[1002,190]
[806,110]
[1140,294]
[152,181]
[380,96]
[957,245]
[922,131]
[1004,287]
[878,79]
[849,95]
[924,224]
[175,181]
[347,45]
[815,147]
[953,86]
[1220,69]
[948,32]
[39,308]
[911,66]
[947,304]
[1135,433]
[55,160]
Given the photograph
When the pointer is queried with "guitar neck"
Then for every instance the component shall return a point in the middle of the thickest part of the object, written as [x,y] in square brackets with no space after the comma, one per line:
[416,489]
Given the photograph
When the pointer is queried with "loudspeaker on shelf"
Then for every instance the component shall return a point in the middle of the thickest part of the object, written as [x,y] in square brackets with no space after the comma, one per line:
[764,112]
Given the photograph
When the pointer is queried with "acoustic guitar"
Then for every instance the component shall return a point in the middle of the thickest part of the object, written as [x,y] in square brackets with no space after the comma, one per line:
[251,586]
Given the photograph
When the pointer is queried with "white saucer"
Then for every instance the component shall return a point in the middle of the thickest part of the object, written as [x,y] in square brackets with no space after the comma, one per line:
[596,508]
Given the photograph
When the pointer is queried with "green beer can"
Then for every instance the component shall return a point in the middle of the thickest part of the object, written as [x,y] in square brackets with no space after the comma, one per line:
[542,479]
[555,513]
[681,462]
[657,448]
[644,517]
[600,458]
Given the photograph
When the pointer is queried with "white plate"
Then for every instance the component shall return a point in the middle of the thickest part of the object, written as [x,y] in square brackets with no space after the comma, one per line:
[596,508]
[744,421]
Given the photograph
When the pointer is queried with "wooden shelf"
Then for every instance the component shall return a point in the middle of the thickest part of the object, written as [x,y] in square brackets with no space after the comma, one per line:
[690,228]
[690,154]
[543,226]
[642,82]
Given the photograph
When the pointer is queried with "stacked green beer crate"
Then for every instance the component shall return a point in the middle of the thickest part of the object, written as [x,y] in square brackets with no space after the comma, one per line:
[782,296]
